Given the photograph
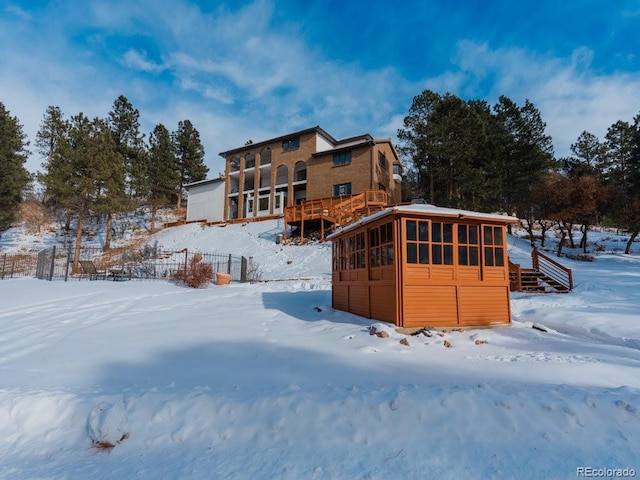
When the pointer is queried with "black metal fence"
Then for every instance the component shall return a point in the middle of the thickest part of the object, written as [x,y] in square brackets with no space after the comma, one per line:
[147,263]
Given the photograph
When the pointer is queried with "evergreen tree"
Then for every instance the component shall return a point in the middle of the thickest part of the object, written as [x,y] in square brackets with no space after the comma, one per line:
[124,122]
[50,138]
[14,178]
[619,146]
[587,158]
[416,140]
[190,156]
[525,153]
[630,208]
[163,171]
[110,197]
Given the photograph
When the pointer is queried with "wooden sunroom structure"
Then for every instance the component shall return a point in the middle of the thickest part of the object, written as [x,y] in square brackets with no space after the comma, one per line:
[422,265]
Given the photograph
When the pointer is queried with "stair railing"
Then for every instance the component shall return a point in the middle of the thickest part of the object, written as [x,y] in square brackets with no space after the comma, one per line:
[552,269]
[515,277]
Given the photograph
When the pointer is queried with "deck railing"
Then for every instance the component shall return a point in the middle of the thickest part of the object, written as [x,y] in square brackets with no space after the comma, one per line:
[552,269]
[340,210]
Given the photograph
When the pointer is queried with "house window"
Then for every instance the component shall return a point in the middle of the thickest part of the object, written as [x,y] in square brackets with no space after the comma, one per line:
[417,241]
[441,243]
[382,160]
[397,169]
[343,158]
[342,189]
[263,204]
[468,245]
[291,144]
[381,245]
[493,246]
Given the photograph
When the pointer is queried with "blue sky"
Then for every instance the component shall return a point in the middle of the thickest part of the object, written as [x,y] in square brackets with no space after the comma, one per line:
[243,70]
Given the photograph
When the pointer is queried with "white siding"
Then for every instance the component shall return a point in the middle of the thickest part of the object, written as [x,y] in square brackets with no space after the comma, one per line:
[206,202]
[322,144]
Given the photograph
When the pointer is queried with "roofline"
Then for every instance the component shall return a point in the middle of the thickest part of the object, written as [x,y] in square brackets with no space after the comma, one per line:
[204,182]
[393,148]
[316,129]
[442,212]
[367,142]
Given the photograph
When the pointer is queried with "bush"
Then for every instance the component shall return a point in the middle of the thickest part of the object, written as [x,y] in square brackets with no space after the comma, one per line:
[196,274]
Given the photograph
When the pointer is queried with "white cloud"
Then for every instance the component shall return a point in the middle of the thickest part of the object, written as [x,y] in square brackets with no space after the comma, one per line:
[139,61]
[18,12]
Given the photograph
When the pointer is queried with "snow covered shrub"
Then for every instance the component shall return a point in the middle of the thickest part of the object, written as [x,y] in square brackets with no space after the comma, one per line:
[196,273]
[254,272]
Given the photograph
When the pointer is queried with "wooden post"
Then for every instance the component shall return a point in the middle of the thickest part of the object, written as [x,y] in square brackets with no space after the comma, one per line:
[535,262]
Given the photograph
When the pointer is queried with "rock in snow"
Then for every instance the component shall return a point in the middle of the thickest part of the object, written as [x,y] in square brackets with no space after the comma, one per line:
[107,425]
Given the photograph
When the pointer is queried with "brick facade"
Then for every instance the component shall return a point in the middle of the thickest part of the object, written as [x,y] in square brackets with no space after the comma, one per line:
[263,178]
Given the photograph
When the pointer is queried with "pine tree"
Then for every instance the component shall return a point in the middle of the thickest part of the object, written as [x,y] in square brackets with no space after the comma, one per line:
[190,156]
[110,196]
[587,158]
[163,171]
[416,143]
[14,178]
[53,133]
[525,153]
[124,122]
[630,213]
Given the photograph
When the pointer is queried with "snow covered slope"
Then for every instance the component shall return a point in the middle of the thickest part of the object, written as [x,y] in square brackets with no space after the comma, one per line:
[113,380]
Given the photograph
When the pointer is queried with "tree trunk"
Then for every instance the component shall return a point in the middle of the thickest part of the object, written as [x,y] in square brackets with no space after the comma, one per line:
[154,209]
[529,229]
[634,234]
[544,228]
[563,237]
[78,246]
[432,183]
[583,241]
[107,238]
[569,231]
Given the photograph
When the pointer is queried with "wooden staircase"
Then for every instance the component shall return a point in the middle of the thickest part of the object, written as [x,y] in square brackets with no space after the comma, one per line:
[545,276]
[330,212]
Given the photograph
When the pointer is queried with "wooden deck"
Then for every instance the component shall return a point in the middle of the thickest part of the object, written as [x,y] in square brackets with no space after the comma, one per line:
[327,213]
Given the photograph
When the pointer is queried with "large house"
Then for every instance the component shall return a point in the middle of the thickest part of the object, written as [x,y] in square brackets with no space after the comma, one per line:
[263,178]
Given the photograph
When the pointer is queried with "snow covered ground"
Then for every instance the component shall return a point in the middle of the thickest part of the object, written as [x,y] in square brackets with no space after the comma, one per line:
[267,381]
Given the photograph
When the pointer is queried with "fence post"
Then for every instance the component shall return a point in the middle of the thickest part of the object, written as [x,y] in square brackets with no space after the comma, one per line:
[186,259]
[4,262]
[53,262]
[66,270]
[243,269]
[229,265]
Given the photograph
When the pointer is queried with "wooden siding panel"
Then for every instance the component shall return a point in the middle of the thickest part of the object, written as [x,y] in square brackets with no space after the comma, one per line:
[383,302]
[443,273]
[416,275]
[429,306]
[496,274]
[483,305]
[469,274]
[340,297]
[359,300]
